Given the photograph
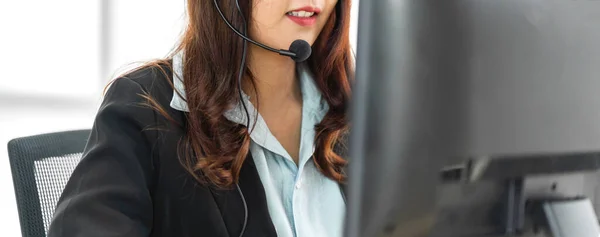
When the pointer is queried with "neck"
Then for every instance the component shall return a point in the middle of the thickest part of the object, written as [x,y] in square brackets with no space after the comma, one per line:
[274,77]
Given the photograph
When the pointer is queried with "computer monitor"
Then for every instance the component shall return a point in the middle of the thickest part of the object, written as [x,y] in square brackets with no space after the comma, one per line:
[480,84]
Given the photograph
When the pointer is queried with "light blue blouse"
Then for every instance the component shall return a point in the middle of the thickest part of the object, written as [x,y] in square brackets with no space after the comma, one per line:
[301,201]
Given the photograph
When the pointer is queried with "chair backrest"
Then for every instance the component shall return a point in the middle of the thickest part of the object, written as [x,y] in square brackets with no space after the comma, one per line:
[41,166]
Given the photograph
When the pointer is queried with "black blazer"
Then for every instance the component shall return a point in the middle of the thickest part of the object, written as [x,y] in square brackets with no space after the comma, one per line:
[130,182]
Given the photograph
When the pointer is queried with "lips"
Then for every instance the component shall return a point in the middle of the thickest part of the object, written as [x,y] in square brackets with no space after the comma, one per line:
[305,16]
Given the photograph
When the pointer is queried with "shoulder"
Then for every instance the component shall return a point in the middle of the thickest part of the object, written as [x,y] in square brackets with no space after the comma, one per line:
[145,94]
[154,80]
[151,84]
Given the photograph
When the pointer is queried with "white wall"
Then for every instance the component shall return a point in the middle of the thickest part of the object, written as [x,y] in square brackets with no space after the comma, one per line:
[54,66]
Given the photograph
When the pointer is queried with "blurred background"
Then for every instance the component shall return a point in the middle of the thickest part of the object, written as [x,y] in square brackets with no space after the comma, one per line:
[57,57]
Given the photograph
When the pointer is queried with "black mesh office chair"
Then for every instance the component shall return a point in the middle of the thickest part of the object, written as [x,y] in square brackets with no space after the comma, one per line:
[41,166]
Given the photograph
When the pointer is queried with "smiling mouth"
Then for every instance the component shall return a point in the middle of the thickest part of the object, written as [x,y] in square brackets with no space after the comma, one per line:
[303,14]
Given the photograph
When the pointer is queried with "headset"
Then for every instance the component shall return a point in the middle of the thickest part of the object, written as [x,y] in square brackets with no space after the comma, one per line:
[299,51]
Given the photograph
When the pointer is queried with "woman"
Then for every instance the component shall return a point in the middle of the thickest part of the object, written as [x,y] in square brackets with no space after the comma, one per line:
[171,154]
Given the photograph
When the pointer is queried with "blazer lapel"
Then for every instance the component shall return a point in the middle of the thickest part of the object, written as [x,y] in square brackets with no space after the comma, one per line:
[231,204]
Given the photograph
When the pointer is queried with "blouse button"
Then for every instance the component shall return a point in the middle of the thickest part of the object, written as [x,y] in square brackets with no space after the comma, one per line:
[298,185]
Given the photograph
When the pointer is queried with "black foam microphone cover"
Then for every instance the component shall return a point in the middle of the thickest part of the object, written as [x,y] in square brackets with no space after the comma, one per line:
[302,50]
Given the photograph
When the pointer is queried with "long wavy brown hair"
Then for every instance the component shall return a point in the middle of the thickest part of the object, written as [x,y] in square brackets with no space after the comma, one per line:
[214,148]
